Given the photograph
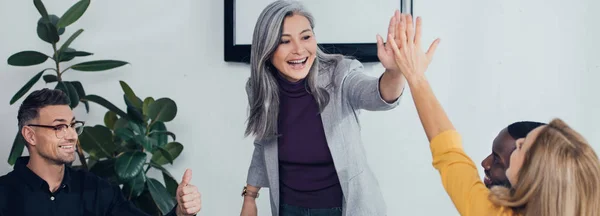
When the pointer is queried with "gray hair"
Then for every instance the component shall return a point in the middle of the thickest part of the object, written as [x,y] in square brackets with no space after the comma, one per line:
[262,84]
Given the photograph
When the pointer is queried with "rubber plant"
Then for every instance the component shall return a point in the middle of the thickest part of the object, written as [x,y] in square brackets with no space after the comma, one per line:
[131,143]
[50,28]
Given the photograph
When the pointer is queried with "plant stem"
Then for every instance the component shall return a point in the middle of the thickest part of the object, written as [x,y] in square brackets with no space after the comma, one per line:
[147,168]
[81,156]
[56,60]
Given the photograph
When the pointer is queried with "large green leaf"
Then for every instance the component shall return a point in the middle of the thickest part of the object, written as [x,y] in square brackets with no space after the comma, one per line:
[97,141]
[66,88]
[26,87]
[81,93]
[124,134]
[47,31]
[133,112]
[27,58]
[161,138]
[73,95]
[130,164]
[103,102]
[146,105]
[130,95]
[41,8]
[110,118]
[147,142]
[73,14]
[121,123]
[50,78]
[162,110]
[145,202]
[161,196]
[69,41]
[17,148]
[173,148]
[170,182]
[106,169]
[98,65]
[135,186]
[54,20]
[70,53]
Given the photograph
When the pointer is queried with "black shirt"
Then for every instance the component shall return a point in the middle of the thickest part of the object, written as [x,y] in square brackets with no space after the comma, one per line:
[24,193]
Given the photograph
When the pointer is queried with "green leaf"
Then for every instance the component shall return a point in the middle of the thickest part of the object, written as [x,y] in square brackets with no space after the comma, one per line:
[130,95]
[164,132]
[147,142]
[54,20]
[134,113]
[106,169]
[161,139]
[125,134]
[146,104]
[70,53]
[17,148]
[97,141]
[129,164]
[170,182]
[174,149]
[26,87]
[81,93]
[166,154]
[103,102]
[66,88]
[110,118]
[146,203]
[50,78]
[163,110]
[67,43]
[99,65]
[41,8]
[73,14]
[73,95]
[27,58]
[135,186]
[47,31]
[161,196]
[121,123]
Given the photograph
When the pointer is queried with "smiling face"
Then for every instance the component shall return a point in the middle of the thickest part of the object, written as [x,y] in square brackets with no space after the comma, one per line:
[54,145]
[296,53]
[498,161]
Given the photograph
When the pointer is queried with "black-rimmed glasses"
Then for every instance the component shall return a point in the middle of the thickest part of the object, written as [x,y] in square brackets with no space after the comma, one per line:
[61,129]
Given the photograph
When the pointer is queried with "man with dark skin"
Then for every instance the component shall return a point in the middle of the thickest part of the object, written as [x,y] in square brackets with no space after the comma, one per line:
[497,162]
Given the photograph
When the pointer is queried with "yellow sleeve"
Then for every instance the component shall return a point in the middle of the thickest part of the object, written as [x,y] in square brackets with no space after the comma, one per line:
[460,177]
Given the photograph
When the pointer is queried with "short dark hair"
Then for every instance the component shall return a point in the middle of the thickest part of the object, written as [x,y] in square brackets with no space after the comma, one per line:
[38,99]
[520,129]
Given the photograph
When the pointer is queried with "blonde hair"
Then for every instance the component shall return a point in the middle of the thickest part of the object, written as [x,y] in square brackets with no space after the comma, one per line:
[560,176]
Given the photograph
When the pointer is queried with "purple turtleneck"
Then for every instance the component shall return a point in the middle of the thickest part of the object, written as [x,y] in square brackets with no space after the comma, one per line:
[307,174]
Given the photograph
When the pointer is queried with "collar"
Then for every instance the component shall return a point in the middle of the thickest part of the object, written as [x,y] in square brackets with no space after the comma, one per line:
[34,182]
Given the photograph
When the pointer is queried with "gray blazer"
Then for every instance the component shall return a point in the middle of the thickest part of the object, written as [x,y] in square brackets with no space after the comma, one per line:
[353,91]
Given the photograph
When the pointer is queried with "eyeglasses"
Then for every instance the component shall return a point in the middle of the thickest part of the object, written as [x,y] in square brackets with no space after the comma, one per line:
[61,129]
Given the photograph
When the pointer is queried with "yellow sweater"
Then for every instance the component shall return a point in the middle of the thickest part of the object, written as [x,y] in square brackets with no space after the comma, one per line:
[461,179]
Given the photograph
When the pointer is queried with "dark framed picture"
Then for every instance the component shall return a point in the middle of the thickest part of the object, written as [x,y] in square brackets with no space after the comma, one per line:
[341,27]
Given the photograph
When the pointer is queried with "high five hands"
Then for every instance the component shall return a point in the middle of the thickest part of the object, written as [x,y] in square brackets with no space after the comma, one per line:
[189,201]
[402,53]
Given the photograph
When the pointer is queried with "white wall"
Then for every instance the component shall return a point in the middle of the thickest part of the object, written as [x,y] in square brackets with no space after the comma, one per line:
[499,62]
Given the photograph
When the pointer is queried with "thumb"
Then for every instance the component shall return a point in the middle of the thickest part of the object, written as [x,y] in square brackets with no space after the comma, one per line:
[432,48]
[187,177]
[380,46]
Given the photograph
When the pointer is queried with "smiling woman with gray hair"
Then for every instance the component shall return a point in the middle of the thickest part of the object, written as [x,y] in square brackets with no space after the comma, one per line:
[303,114]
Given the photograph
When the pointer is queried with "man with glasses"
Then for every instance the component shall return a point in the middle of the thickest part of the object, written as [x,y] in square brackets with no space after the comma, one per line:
[41,184]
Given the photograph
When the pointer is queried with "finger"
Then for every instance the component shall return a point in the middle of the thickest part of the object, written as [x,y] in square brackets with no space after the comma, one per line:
[418,32]
[410,31]
[190,189]
[193,210]
[380,46]
[190,197]
[399,19]
[191,204]
[432,49]
[187,177]
[395,48]
[402,33]
[391,29]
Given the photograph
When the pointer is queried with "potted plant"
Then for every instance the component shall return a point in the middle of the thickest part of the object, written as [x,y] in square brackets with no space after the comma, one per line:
[132,142]
[50,29]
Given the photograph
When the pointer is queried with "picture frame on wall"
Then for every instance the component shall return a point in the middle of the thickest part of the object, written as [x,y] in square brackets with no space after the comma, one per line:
[340,27]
